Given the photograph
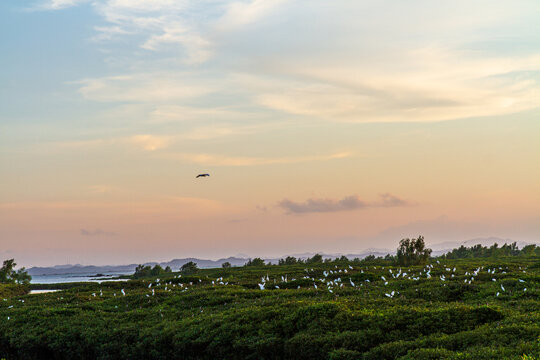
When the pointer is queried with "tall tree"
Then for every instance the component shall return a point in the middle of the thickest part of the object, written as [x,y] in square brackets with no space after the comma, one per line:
[255,262]
[317,258]
[412,251]
[189,268]
[9,275]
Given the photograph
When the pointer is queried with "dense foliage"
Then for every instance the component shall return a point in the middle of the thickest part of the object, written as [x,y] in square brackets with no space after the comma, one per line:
[451,309]
[145,271]
[12,290]
[8,274]
[255,262]
[189,268]
[412,252]
[479,251]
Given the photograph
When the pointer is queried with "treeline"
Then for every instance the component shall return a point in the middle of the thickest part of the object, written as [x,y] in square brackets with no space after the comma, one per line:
[145,271]
[142,271]
[414,252]
[291,260]
[410,252]
[479,251]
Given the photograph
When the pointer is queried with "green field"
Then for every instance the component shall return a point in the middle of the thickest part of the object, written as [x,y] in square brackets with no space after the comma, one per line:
[455,309]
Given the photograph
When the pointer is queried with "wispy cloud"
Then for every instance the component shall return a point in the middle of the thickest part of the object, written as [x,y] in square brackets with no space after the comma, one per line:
[150,142]
[221,160]
[352,202]
[243,13]
[300,75]
[59,4]
[425,86]
[389,200]
[323,205]
[145,142]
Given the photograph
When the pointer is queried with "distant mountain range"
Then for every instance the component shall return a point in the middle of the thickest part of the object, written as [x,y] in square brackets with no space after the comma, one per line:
[438,249]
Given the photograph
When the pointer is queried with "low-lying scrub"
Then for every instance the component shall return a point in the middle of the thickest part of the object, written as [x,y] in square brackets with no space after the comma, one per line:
[455,309]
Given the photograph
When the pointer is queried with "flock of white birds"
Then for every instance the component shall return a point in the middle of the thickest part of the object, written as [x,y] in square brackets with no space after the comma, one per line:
[331,280]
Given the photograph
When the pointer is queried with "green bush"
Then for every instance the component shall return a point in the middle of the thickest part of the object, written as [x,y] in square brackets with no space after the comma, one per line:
[197,317]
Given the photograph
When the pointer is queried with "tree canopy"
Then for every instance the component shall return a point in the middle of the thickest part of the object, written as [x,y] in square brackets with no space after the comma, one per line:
[189,268]
[255,262]
[144,271]
[479,251]
[8,274]
[317,258]
[413,252]
[289,260]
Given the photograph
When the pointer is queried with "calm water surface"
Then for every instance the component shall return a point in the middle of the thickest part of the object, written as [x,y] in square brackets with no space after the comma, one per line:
[66,278]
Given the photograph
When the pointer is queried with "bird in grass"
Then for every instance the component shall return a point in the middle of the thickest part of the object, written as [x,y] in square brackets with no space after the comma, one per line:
[202,175]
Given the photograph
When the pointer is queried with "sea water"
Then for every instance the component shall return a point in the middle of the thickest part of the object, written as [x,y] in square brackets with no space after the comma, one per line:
[66,278]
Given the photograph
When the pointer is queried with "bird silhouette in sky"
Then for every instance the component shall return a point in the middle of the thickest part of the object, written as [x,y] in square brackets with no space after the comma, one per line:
[202,175]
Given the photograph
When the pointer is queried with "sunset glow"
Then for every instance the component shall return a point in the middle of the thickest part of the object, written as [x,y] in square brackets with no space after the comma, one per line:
[325,126]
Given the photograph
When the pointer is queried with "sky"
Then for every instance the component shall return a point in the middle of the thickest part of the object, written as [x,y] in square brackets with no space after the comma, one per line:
[326,126]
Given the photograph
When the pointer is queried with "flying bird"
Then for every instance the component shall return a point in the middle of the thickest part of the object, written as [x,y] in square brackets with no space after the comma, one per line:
[202,175]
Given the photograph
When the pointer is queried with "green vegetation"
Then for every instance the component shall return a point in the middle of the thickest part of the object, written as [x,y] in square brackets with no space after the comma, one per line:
[480,308]
[289,260]
[189,268]
[317,258]
[255,262]
[412,252]
[479,251]
[12,290]
[142,271]
[8,275]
